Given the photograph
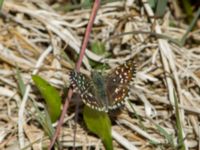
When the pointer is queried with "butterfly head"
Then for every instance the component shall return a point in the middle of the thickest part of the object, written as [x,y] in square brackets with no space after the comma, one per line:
[96,76]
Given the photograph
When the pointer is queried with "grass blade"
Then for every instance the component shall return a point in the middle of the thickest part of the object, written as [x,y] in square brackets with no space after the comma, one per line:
[178,125]
[20,82]
[190,27]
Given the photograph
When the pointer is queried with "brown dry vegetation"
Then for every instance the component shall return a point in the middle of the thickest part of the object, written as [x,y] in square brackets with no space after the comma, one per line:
[36,39]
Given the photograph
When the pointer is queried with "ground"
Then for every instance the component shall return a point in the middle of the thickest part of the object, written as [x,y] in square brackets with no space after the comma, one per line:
[38,37]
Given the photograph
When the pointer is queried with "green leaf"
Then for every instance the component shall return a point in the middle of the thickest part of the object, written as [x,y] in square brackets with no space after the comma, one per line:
[43,118]
[99,123]
[160,8]
[152,3]
[1,3]
[87,3]
[51,96]
[98,47]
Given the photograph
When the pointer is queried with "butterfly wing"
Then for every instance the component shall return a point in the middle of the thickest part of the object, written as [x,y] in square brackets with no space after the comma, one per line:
[85,87]
[118,83]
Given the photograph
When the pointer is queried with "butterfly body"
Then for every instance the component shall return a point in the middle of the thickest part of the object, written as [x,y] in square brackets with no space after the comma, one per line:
[108,92]
[100,90]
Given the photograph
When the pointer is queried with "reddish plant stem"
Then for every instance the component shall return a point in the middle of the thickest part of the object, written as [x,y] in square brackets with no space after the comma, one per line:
[87,33]
[78,65]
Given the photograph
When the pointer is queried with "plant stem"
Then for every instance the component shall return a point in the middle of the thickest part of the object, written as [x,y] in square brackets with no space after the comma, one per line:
[87,33]
[78,65]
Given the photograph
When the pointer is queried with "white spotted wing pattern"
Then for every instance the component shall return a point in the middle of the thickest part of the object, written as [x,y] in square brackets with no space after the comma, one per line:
[105,93]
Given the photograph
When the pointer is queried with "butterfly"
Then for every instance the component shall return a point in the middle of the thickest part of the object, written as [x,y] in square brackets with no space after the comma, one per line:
[105,92]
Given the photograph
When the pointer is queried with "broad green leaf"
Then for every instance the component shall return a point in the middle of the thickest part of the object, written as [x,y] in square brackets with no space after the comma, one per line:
[51,96]
[99,123]
[42,118]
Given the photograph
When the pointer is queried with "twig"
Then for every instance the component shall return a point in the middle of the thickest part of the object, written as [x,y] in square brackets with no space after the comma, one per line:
[157,35]
[169,66]
[140,131]
[128,145]
[78,65]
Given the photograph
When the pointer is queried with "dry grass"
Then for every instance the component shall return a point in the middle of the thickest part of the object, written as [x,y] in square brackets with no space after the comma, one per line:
[34,38]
